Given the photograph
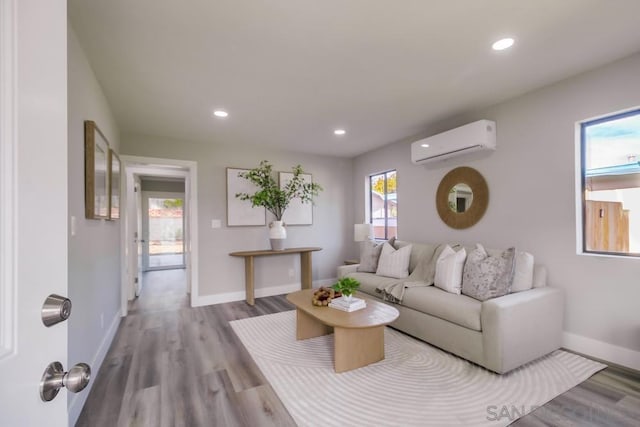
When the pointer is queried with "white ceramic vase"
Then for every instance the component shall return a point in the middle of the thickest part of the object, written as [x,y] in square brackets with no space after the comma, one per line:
[277,235]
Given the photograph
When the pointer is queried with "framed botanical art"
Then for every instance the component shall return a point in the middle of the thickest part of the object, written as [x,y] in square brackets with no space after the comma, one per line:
[96,172]
[241,212]
[297,213]
[114,185]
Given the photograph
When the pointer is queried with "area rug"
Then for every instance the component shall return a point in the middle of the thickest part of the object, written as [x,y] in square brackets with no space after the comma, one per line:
[415,385]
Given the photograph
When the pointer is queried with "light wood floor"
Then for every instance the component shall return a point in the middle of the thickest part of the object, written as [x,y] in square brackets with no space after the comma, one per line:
[172,365]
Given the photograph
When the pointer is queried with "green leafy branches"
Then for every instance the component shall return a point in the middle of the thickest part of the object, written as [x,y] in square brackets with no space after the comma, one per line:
[275,199]
[347,286]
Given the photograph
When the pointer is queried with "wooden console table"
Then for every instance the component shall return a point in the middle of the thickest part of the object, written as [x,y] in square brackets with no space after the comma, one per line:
[305,266]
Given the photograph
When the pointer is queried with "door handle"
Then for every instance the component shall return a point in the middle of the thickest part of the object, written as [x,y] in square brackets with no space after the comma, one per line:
[54,378]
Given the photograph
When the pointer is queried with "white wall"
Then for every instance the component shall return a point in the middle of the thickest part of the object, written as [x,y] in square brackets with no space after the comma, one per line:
[531,179]
[221,276]
[94,252]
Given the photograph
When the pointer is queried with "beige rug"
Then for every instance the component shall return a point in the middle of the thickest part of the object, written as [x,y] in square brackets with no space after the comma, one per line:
[416,384]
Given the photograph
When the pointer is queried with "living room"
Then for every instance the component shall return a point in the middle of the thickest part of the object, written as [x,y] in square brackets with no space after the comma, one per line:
[533,176]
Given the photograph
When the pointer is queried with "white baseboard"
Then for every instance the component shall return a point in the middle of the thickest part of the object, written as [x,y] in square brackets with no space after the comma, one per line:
[78,400]
[602,350]
[202,300]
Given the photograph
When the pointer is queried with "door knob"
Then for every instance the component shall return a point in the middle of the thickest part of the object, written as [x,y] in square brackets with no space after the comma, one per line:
[54,378]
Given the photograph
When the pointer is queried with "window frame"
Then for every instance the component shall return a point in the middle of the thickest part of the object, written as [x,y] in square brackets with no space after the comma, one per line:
[583,125]
[386,216]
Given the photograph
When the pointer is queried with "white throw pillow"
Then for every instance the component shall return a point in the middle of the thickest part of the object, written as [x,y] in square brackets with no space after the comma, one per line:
[394,262]
[449,267]
[523,276]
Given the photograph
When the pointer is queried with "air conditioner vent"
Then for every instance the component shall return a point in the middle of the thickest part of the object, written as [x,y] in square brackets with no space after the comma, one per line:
[476,136]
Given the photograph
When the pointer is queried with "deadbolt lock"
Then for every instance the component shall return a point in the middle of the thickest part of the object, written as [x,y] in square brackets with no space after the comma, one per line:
[55,309]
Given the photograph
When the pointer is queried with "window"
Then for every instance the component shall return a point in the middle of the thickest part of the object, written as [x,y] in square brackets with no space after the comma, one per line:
[610,149]
[383,205]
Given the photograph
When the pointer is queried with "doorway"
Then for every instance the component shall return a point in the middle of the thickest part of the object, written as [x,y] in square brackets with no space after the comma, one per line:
[163,225]
[160,233]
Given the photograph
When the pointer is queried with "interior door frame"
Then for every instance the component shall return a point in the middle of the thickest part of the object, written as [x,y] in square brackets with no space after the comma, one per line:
[8,178]
[151,166]
[145,227]
[137,220]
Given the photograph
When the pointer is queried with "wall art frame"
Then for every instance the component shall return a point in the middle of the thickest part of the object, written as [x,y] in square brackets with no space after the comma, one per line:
[297,213]
[240,213]
[115,174]
[96,172]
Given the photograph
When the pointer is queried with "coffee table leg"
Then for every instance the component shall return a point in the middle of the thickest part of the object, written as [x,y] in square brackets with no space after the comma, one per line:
[309,327]
[355,348]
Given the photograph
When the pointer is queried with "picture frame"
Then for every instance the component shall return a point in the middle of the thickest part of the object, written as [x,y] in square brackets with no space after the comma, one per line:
[114,185]
[240,213]
[297,213]
[96,172]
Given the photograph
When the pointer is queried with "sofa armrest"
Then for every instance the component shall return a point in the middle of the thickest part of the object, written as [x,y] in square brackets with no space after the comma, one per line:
[343,270]
[520,327]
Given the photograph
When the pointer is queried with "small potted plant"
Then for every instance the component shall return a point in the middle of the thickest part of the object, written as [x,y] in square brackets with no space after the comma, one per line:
[347,287]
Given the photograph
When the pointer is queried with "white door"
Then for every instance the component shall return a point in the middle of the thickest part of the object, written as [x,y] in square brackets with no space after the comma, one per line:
[33,201]
[139,236]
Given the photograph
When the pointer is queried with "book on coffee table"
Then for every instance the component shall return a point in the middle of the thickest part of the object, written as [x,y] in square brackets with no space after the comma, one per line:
[344,305]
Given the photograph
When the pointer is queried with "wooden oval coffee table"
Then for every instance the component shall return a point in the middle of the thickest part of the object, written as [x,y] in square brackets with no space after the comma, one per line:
[358,336]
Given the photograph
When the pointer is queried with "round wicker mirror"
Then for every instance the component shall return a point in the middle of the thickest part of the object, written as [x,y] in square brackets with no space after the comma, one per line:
[462,177]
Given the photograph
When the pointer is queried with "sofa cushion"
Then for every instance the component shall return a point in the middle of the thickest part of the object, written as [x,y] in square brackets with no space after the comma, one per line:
[419,251]
[487,276]
[539,276]
[523,274]
[369,282]
[369,255]
[425,271]
[459,309]
[449,270]
[394,262]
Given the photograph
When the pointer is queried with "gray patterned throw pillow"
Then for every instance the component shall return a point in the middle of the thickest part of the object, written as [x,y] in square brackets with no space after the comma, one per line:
[486,276]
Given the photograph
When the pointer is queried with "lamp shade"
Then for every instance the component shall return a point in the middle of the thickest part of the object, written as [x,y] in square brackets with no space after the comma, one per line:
[362,232]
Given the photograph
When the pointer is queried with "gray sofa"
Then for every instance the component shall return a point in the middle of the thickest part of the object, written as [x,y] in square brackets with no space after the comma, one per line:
[500,334]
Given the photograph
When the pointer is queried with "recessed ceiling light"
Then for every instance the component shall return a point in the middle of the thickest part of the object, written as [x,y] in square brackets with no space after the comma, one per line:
[424,145]
[339,131]
[220,113]
[502,44]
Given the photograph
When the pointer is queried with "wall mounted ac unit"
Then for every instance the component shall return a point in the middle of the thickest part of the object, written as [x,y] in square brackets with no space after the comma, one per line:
[476,136]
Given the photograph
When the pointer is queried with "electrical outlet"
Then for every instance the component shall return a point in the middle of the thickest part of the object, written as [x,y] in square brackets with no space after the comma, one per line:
[292,273]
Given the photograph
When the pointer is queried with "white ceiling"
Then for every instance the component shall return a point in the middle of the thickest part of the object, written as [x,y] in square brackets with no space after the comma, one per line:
[291,71]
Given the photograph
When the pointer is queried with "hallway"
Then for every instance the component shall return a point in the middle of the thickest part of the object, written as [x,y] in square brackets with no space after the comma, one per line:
[172,365]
